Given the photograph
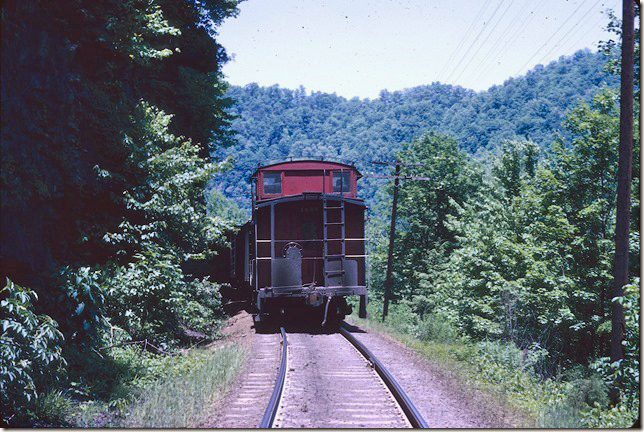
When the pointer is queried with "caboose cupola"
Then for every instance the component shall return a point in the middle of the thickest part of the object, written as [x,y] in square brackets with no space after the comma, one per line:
[302,177]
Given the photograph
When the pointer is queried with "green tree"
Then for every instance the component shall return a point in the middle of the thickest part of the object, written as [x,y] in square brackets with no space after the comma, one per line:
[582,181]
[506,275]
[110,112]
[168,225]
[425,205]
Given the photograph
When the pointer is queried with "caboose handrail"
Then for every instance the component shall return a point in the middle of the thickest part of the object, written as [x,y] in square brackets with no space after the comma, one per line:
[306,197]
[310,240]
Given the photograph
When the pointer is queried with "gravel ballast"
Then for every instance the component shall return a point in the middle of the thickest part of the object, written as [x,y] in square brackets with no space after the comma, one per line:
[441,398]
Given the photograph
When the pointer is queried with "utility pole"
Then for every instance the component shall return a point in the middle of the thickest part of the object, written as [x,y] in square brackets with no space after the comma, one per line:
[392,229]
[624,172]
[390,253]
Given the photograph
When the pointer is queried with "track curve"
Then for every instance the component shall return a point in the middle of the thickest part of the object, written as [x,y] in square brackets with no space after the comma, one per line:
[273,403]
[413,415]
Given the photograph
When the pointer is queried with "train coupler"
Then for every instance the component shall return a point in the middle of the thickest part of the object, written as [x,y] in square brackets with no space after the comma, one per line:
[314,299]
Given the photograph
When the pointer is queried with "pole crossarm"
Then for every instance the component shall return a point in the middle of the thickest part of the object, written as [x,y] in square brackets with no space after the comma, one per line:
[397,163]
[403,177]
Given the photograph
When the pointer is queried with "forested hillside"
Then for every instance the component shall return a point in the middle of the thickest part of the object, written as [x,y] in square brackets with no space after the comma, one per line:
[273,123]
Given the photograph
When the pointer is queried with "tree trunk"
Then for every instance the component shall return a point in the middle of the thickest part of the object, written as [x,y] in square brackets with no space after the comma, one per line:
[624,172]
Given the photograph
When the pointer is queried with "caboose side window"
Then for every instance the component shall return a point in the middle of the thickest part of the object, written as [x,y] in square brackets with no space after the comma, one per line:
[341,181]
[272,183]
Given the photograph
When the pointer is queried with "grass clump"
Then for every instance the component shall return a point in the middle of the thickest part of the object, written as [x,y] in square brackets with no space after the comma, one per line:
[130,387]
[181,398]
[52,408]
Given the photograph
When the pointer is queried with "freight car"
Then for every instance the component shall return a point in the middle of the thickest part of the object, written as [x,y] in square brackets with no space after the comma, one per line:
[304,248]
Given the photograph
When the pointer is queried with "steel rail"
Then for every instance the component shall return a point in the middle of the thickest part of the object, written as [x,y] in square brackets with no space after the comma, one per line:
[273,403]
[415,418]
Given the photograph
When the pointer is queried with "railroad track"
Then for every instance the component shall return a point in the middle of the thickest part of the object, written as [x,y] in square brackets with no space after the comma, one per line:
[334,381]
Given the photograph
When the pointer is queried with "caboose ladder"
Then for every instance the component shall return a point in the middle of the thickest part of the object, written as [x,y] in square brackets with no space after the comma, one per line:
[325,215]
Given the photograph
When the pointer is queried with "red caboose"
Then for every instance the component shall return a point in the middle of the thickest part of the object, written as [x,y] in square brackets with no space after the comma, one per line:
[305,244]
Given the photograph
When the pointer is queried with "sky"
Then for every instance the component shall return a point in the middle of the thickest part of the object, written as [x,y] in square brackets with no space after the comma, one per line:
[356,48]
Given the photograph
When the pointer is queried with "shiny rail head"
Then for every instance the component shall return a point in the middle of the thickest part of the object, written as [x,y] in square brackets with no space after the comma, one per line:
[415,418]
[273,403]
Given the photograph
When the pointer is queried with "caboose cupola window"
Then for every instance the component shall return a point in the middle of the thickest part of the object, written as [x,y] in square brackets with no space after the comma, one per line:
[272,183]
[341,181]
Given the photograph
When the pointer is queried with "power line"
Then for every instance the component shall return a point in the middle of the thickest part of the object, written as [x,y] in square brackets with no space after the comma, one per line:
[512,39]
[462,41]
[550,38]
[602,17]
[583,35]
[484,41]
[574,27]
[511,27]
[474,42]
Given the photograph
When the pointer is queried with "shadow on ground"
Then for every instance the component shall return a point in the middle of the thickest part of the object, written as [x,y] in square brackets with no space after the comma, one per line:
[293,321]
[303,324]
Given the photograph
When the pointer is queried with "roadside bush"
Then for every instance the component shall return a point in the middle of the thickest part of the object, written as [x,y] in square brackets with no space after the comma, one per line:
[150,299]
[80,311]
[586,387]
[501,353]
[623,415]
[30,353]
[435,328]
[508,355]
[199,307]
[583,403]
[626,372]
[400,316]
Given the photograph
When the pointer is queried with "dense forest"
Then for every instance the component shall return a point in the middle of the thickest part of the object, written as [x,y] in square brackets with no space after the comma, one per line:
[124,152]
[274,124]
[109,112]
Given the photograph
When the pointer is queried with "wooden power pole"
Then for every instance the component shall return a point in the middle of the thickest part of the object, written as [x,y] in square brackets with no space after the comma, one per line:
[624,172]
[392,229]
[390,253]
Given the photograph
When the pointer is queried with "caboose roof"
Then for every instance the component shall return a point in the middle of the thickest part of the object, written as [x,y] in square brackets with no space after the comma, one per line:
[305,165]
